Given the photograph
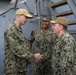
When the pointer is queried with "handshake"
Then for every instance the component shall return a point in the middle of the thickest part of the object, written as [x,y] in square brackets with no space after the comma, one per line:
[37,57]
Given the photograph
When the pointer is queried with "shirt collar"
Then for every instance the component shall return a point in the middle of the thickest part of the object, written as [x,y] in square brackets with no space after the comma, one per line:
[19,28]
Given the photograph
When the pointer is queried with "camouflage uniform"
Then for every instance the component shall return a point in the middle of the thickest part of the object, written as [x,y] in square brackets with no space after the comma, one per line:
[16,55]
[43,43]
[64,55]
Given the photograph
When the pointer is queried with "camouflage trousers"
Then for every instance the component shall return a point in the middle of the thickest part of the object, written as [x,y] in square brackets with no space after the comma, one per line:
[41,68]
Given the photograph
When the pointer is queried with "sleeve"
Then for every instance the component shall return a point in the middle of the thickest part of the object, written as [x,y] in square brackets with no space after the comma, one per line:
[48,53]
[67,53]
[30,40]
[17,49]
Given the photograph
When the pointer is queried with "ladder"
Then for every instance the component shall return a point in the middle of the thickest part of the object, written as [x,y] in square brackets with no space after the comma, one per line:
[72,6]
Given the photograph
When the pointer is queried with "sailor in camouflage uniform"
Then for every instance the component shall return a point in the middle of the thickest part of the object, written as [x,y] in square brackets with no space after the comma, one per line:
[64,52]
[43,39]
[16,55]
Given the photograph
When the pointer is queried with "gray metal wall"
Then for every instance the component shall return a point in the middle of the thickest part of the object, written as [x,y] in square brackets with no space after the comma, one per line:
[7,18]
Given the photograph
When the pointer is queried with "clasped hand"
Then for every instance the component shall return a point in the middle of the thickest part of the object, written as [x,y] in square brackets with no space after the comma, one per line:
[37,57]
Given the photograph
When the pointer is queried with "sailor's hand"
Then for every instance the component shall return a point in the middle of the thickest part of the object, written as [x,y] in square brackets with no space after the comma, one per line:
[37,57]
